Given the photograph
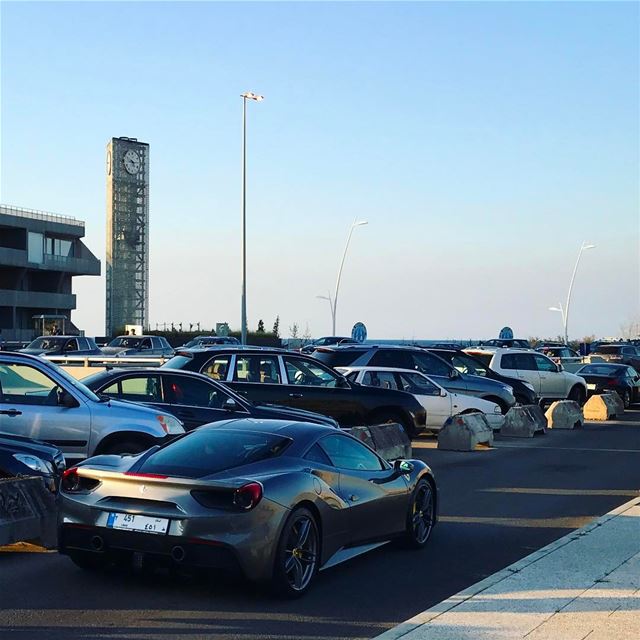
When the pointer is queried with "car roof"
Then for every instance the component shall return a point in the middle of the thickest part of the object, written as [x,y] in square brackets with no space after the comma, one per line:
[290,428]
[117,371]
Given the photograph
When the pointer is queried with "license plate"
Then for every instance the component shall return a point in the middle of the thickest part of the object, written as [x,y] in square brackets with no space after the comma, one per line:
[130,522]
[591,387]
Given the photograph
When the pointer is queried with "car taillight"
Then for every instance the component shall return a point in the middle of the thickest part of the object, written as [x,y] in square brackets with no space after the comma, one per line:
[73,482]
[248,495]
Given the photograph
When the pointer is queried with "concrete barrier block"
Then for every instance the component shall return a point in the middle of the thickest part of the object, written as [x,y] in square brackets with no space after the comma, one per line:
[564,414]
[524,421]
[27,512]
[391,441]
[363,434]
[618,402]
[600,407]
[465,432]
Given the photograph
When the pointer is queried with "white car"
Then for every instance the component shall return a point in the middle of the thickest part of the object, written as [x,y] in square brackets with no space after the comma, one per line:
[439,403]
[550,380]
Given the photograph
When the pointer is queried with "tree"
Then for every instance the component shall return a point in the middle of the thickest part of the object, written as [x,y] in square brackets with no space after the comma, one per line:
[631,329]
[293,329]
[276,327]
[306,336]
[260,326]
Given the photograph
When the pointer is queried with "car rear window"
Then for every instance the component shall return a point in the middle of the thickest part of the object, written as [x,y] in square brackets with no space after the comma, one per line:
[608,350]
[337,357]
[178,361]
[600,370]
[485,358]
[203,452]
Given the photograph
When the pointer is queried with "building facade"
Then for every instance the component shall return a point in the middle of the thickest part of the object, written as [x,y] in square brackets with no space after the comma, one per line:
[39,255]
[127,251]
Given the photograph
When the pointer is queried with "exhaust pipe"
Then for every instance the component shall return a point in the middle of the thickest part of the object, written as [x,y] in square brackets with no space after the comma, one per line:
[178,554]
[97,543]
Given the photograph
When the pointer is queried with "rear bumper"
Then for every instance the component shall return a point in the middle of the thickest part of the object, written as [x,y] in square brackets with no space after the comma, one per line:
[160,550]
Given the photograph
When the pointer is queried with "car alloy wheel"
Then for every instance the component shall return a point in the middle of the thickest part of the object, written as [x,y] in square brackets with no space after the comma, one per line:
[421,515]
[298,554]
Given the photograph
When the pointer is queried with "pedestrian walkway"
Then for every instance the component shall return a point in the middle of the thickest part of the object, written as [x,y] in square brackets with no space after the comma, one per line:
[585,585]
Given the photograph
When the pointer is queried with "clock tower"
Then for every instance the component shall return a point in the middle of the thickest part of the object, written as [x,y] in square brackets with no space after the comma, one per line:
[127,256]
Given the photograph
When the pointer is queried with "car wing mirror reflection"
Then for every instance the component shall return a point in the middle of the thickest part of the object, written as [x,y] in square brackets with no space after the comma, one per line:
[230,405]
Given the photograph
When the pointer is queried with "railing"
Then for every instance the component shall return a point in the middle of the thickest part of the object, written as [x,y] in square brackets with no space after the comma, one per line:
[39,215]
[108,362]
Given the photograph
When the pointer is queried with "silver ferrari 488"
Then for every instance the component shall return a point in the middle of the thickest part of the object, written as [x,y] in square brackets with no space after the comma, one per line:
[277,500]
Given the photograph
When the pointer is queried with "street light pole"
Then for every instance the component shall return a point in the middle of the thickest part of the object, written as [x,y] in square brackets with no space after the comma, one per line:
[356,223]
[561,310]
[333,316]
[245,96]
[584,247]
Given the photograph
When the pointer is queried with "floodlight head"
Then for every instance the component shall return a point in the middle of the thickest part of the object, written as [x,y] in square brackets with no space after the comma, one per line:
[554,309]
[360,223]
[588,246]
[248,95]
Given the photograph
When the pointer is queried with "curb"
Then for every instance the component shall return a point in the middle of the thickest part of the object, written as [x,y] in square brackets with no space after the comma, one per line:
[450,603]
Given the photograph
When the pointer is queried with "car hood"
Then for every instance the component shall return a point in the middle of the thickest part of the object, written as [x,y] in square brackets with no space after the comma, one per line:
[280,412]
[21,444]
[488,383]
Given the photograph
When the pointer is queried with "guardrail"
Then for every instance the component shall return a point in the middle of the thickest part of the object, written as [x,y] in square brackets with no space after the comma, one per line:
[81,366]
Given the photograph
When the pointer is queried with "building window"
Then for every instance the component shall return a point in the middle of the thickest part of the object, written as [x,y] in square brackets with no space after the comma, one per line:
[35,251]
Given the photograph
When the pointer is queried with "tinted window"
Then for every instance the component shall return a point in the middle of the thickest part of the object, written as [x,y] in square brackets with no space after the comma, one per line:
[381,379]
[190,391]
[21,384]
[430,364]
[416,383]
[484,357]
[46,344]
[180,362]
[346,453]
[217,368]
[136,389]
[465,364]
[509,361]
[206,451]
[397,358]
[522,361]
[601,370]
[257,368]
[609,350]
[123,341]
[71,345]
[544,364]
[308,373]
[316,454]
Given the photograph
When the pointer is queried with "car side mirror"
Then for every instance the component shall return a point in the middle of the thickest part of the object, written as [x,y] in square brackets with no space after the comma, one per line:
[402,467]
[65,399]
[343,383]
[559,368]
[443,393]
[454,374]
[230,405]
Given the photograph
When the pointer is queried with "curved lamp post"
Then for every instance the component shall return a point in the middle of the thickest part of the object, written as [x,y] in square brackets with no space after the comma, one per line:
[256,98]
[333,302]
[565,310]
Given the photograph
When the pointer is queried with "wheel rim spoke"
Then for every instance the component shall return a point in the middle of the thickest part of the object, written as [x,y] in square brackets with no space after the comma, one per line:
[301,554]
[303,533]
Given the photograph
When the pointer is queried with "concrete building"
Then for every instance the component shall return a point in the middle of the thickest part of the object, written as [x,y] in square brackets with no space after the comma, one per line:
[39,255]
[127,254]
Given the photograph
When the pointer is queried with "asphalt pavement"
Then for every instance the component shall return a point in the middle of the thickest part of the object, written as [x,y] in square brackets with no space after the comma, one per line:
[497,506]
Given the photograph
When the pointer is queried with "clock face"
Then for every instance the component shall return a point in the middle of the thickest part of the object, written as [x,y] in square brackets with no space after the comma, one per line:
[132,161]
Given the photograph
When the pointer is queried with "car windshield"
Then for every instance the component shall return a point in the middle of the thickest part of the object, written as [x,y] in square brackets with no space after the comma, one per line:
[600,370]
[76,384]
[207,451]
[466,364]
[47,344]
[124,341]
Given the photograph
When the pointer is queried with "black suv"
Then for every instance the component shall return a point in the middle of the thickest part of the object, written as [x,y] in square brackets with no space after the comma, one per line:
[464,363]
[401,357]
[288,378]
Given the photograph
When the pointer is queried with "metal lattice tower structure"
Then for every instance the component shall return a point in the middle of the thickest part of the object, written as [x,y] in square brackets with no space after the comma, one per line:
[127,256]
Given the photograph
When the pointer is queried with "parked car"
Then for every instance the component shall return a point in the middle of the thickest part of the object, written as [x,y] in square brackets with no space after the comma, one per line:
[506,343]
[400,357]
[20,456]
[469,365]
[276,500]
[560,355]
[325,342]
[276,376]
[192,397]
[62,346]
[138,346]
[603,377]
[619,354]
[40,400]
[439,403]
[208,341]
[550,380]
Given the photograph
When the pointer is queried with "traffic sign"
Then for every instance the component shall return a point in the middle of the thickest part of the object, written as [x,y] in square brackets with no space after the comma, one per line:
[359,332]
[506,333]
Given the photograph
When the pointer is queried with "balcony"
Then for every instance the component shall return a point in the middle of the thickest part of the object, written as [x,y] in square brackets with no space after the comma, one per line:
[71,264]
[37,299]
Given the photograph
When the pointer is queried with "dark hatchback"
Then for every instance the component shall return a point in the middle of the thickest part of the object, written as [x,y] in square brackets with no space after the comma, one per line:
[193,398]
[464,363]
[288,378]
[621,378]
[24,457]
[62,346]
[619,354]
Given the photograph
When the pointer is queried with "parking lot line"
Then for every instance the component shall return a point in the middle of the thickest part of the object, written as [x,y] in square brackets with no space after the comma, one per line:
[502,445]
[563,492]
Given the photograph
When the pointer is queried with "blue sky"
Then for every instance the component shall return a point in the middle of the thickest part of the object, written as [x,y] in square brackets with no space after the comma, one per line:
[483,142]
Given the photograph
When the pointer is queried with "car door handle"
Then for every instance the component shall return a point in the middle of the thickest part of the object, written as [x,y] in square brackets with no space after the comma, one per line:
[295,395]
[11,412]
[354,498]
